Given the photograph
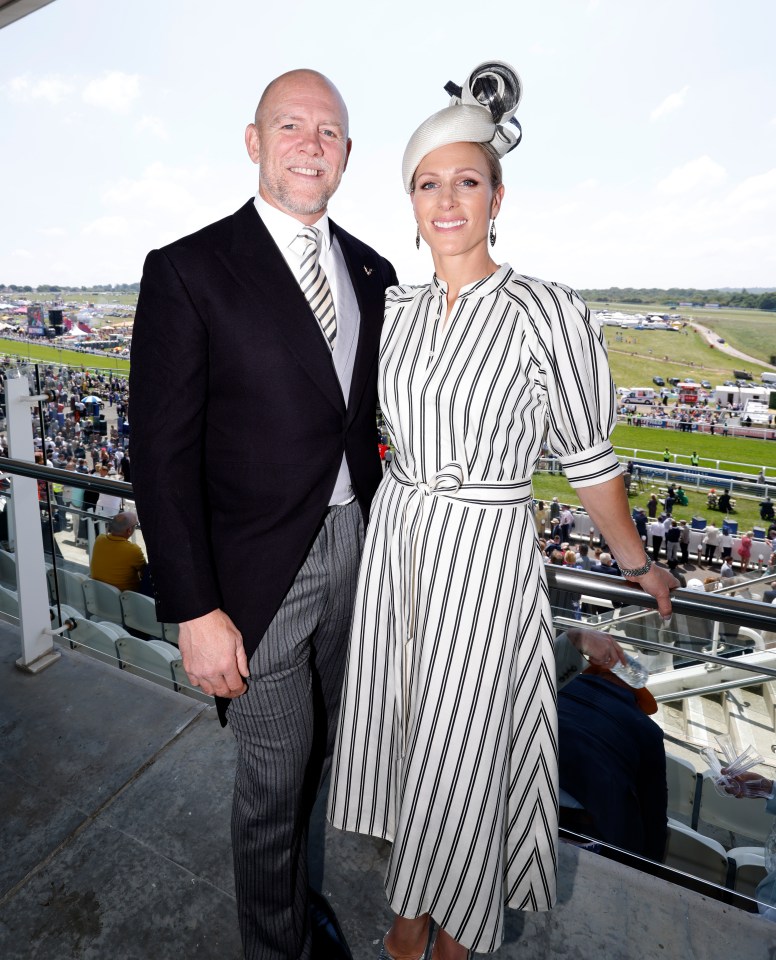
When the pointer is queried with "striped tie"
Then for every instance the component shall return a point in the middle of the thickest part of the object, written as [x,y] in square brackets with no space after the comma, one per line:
[315,286]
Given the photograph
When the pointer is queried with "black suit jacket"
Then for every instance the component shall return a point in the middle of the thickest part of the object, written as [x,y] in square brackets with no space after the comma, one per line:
[238,422]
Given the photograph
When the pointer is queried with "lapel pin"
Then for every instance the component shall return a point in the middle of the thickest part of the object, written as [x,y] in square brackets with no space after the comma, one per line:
[368,270]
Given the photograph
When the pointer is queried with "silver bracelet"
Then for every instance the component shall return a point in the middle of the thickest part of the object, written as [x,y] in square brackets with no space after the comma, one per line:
[637,571]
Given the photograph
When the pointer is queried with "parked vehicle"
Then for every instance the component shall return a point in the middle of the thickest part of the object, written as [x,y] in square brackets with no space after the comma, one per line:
[705,384]
[659,381]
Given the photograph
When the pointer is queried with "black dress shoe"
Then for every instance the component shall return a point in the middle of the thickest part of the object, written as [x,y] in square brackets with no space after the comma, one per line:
[329,941]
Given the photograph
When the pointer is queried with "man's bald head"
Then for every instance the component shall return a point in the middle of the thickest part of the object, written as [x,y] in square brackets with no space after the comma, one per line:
[310,78]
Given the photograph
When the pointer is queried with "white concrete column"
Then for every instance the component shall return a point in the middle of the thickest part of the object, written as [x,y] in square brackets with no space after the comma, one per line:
[37,648]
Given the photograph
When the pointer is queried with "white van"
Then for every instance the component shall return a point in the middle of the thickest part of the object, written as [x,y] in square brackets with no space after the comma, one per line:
[640,395]
[769,378]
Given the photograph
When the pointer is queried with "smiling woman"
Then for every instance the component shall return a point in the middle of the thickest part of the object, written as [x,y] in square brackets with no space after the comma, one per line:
[440,748]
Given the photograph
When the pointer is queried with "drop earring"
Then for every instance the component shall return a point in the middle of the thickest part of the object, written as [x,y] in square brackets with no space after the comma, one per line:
[493,233]
[417,239]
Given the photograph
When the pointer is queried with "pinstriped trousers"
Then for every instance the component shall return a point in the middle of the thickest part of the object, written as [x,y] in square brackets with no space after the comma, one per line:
[285,726]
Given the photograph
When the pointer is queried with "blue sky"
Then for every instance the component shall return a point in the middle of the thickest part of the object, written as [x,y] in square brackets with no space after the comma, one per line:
[648,157]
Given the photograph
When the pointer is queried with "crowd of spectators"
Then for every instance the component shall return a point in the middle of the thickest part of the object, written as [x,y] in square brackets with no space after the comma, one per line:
[76,432]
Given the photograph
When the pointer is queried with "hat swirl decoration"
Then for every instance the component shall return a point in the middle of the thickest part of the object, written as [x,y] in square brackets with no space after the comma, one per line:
[482,110]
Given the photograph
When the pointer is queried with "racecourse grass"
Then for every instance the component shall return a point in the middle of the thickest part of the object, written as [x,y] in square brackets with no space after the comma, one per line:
[71,358]
[751,331]
[725,453]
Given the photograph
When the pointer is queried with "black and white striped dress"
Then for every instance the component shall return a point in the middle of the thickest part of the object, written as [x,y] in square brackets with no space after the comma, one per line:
[447,734]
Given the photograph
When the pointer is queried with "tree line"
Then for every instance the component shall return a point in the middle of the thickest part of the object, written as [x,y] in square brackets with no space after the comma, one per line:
[58,288]
[674,296]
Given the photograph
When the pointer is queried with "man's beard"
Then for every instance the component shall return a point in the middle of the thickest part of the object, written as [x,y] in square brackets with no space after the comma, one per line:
[292,201]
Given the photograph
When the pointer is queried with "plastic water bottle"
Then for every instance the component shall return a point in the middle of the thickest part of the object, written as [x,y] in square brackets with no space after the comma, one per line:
[632,672]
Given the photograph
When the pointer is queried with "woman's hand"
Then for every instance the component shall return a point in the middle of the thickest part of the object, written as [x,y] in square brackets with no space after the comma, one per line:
[658,582]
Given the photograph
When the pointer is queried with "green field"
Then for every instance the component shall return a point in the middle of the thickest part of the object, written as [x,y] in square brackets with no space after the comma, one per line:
[726,453]
[752,331]
[70,358]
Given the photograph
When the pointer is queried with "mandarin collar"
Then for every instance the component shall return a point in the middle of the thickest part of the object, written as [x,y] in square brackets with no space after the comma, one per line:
[482,287]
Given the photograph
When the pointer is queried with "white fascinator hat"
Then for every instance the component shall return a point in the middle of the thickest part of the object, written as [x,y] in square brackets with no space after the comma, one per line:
[482,110]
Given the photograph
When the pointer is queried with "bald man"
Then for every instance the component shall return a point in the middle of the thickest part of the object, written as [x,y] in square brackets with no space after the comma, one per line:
[255,543]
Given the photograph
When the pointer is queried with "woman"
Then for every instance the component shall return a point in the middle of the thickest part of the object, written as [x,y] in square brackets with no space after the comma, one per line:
[745,550]
[447,732]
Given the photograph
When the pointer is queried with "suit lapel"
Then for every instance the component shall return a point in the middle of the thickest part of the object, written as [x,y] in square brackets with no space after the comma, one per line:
[366,277]
[260,267]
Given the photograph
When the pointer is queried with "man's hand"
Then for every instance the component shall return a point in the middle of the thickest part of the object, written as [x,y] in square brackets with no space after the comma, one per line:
[747,784]
[213,655]
[598,647]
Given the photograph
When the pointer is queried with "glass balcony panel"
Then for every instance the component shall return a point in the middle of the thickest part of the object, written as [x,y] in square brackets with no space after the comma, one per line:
[712,684]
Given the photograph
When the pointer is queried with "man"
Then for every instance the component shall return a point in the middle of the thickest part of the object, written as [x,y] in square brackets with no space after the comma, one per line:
[640,520]
[115,559]
[684,541]
[711,539]
[673,535]
[583,560]
[606,564]
[566,524]
[656,532]
[255,547]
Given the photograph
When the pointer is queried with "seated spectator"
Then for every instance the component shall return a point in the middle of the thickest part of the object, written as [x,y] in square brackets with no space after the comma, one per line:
[553,545]
[724,502]
[115,559]
[766,509]
[751,785]
[606,565]
[612,761]
[583,560]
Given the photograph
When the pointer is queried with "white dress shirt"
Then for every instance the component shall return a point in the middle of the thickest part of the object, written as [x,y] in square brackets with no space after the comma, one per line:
[283,228]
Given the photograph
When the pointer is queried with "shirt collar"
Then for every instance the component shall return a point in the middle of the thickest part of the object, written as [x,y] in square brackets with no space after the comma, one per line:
[284,228]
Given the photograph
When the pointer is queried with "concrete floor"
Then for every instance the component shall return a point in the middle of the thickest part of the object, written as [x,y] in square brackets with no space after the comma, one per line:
[114,805]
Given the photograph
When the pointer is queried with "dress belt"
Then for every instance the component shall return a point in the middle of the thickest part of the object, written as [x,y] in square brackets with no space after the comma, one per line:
[447,482]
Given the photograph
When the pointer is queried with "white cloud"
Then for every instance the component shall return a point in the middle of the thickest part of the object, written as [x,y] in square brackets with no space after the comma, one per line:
[52,88]
[672,102]
[114,90]
[53,231]
[154,125]
[107,227]
[161,188]
[703,173]
[755,194]
[21,253]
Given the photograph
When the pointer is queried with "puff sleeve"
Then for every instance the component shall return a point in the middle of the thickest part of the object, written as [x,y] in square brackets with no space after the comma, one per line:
[581,406]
